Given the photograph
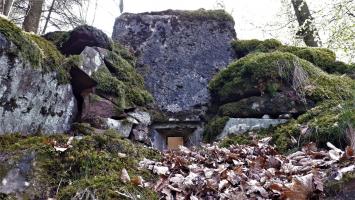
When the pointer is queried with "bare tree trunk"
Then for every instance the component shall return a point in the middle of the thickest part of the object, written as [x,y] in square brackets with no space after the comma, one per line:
[7,7]
[305,20]
[2,5]
[48,17]
[121,6]
[33,16]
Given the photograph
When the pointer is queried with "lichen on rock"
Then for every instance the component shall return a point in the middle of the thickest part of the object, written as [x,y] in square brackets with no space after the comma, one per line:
[176,57]
[34,96]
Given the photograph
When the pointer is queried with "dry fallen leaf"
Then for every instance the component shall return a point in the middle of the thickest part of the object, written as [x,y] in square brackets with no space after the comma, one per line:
[255,171]
[138,181]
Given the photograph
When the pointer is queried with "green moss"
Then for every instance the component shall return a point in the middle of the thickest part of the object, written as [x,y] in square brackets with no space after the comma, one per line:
[24,45]
[326,122]
[83,129]
[200,15]
[121,80]
[237,109]
[91,163]
[39,52]
[252,74]
[244,138]
[158,116]
[98,185]
[244,47]
[333,188]
[321,57]
[52,58]
[339,67]
[58,38]
[214,127]
[118,49]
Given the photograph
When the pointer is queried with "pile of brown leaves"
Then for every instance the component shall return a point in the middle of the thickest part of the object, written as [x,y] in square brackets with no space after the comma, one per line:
[255,171]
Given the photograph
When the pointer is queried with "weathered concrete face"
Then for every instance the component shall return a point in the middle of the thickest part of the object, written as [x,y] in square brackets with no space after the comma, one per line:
[178,53]
[31,101]
[191,132]
[236,126]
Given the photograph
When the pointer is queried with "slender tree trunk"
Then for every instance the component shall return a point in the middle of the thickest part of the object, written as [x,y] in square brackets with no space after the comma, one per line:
[48,17]
[121,6]
[33,16]
[2,5]
[7,7]
[305,20]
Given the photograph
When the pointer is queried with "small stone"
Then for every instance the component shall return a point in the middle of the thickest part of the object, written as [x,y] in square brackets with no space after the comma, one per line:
[124,176]
[266,117]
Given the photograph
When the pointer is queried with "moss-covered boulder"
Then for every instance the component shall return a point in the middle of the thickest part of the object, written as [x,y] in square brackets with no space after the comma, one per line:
[273,105]
[74,42]
[91,164]
[266,73]
[262,75]
[321,57]
[34,91]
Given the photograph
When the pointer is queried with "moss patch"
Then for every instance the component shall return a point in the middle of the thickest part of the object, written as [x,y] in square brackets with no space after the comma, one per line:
[121,80]
[270,69]
[321,57]
[251,76]
[244,47]
[39,52]
[25,46]
[325,123]
[199,15]
[92,163]
[58,38]
[214,127]
[334,188]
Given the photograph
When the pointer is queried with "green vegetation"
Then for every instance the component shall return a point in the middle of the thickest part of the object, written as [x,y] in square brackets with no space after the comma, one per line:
[324,123]
[333,188]
[24,45]
[58,38]
[124,53]
[92,163]
[244,47]
[214,127]
[82,129]
[255,73]
[201,15]
[122,81]
[39,52]
[321,57]
[267,68]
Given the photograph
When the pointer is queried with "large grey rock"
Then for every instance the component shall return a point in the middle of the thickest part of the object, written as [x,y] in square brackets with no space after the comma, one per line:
[93,59]
[16,179]
[96,106]
[141,116]
[236,126]
[30,100]
[84,36]
[274,105]
[122,126]
[178,53]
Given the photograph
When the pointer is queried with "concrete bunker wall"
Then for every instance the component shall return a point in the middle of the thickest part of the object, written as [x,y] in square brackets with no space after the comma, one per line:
[190,132]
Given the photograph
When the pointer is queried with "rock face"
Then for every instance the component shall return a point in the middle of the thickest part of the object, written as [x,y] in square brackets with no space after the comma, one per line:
[178,53]
[256,106]
[241,125]
[30,100]
[85,36]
